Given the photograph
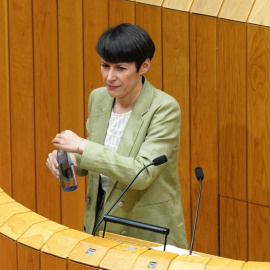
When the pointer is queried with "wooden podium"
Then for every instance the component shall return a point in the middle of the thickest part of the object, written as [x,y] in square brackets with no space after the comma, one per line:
[30,241]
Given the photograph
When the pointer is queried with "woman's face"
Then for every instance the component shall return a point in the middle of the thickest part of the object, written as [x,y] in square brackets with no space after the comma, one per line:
[122,79]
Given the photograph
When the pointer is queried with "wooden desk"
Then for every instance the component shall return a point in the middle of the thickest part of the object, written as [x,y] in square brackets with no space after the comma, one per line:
[30,241]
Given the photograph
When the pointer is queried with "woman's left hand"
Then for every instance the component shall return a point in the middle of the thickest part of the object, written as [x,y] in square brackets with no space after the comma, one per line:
[68,141]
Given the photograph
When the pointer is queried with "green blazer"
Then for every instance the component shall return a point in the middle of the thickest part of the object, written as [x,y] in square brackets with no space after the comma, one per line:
[153,129]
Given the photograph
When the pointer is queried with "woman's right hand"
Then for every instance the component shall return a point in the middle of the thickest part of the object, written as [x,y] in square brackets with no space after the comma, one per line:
[52,163]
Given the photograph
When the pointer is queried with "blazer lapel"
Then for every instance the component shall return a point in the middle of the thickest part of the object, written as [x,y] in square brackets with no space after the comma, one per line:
[101,121]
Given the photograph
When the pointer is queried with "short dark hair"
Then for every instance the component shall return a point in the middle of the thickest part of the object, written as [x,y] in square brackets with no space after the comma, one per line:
[125,43]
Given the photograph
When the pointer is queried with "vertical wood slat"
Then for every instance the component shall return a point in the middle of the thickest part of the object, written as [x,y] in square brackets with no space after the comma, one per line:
[258,233]
[8,253]
[233,229]
[5,144]
[175,56]
[71,96]
[232,109]
[49,262]
[46,105]
[77,266]
[121,12]
[204,126]
[258,79]
[149,17]
[22,102]
[93,26]
[28,259]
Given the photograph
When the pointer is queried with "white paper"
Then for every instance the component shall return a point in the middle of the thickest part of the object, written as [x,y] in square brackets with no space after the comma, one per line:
[173,249]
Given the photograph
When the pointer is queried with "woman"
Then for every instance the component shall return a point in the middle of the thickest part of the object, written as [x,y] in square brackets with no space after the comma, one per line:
[130,123]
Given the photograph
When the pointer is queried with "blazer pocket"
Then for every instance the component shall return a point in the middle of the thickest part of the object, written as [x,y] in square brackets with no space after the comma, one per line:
[155,203]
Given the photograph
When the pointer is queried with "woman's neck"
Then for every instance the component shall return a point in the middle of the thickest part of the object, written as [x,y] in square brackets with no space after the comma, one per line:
[126,104]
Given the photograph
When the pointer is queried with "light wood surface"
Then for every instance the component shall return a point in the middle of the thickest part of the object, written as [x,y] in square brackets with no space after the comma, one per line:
[156,259]
[223,263]
[189,263]
[183,5]
[236,10]
[206,7]
[96,246]
[260,13]
[62,242]
[7,210]
[20,223]
[38,234]
[256,265]
[151,2]
[4,198]
[122,257]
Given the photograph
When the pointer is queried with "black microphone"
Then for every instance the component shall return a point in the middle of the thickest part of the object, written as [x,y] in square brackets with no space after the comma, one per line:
[199,175]
[156,162]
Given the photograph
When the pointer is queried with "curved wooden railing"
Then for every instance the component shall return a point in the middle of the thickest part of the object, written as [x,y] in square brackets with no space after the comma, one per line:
[31,241]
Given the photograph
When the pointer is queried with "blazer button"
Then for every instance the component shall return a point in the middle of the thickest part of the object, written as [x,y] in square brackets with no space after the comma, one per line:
[121,204]
[87,199]
[123,233]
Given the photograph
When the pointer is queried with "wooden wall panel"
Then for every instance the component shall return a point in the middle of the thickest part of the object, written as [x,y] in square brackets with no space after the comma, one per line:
[22,102]
[258,79]
[49,262]
[121,11]
[28,259]
[149,17]
[8,253]
[204,128]
[232,106]
[258,233]
[95,21]
[46,105]
[175,39]
[71,96]
[77,266]
[5,145]
[233,220]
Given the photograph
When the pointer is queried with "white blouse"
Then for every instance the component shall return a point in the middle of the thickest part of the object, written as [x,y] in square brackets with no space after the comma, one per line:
[115,131]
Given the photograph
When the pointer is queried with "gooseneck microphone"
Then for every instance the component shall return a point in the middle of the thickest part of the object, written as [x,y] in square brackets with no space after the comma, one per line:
[156,162]
[199,175]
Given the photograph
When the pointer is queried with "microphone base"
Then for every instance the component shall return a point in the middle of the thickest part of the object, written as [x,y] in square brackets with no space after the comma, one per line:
[136,224]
